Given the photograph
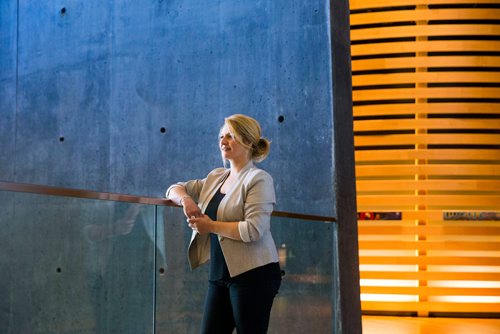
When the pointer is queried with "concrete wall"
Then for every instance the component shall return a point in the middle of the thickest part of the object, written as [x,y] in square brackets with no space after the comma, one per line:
[88,87]
[128,97]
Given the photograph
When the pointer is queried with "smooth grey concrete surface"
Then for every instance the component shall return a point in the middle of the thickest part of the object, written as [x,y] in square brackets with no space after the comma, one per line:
[8,51]
[96,83]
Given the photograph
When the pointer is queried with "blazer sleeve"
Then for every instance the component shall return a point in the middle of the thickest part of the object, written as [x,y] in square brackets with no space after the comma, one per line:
[258,206]
[193,188]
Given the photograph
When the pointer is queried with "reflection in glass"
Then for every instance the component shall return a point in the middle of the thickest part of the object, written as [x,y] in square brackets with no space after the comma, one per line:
[304,303]
[120,268]
[74,265]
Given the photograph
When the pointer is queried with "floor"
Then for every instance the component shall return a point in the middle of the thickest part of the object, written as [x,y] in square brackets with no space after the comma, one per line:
[415,325]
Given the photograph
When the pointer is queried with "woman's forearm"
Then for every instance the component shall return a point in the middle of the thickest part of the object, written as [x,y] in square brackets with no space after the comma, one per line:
[227,229]
[178,194]
[205,225]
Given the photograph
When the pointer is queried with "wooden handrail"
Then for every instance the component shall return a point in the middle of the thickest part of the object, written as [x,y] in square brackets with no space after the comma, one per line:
[79,193]
[89,194]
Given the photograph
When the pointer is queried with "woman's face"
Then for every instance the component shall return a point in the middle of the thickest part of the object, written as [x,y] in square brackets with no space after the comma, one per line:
[230,148]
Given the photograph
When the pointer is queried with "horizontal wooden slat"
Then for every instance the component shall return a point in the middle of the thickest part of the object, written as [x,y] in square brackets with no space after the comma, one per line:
[431,276]
[386,224]
[390,306]
[460,307]
[426,30]
[450,200]
[424,46]
[422,93]
[432,218]
[428,154]
[418,124]
[431,306]
[430,230]
[427,170]
[427,108]
[468,186]
[425,77]
[426,139]
[440,185]
[425,62]
[431,260]
[362,4]
[430,291]
[424,15]
[429,245]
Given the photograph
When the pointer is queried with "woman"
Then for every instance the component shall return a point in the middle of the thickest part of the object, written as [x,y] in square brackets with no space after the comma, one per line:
[229,212]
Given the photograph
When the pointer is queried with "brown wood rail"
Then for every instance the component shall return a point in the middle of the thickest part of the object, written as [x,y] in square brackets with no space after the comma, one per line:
[89,194]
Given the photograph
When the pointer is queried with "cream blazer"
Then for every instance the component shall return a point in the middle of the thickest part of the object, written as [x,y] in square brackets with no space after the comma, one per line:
[250,202]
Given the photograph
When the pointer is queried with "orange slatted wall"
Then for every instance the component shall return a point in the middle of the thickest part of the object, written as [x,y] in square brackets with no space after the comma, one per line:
[426,92]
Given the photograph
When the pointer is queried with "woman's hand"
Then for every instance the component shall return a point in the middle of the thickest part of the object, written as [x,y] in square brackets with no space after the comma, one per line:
[190,208]
[202,225]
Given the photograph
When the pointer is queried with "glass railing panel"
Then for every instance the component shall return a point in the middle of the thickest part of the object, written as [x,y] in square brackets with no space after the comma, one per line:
[180,291]
[72,265]
[304,303]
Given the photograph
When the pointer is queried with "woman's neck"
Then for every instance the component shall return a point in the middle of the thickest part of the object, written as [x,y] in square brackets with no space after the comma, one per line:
[237,166]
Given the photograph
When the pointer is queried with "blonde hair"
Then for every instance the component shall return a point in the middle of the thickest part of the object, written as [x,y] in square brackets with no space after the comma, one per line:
[247,132]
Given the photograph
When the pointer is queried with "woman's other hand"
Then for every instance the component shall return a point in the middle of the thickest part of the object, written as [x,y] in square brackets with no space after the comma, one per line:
[202,224]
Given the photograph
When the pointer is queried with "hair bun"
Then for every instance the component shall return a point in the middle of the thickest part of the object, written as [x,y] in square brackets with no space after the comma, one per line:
[261,150]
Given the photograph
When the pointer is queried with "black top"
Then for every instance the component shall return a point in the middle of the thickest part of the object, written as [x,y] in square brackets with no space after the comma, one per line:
[218,268]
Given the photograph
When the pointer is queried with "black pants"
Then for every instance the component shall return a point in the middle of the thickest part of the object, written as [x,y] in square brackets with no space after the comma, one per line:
[244,305]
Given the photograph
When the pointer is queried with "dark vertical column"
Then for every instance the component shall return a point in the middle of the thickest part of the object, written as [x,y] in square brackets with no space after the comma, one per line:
[348,313]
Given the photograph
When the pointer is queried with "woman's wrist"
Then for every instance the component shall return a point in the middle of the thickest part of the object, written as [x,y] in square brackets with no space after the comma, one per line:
[183,198]
[213,227]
